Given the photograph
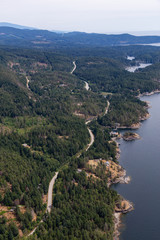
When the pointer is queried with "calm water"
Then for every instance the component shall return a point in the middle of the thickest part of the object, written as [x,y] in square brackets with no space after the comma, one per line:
[141,159]
[134,68]
[152,44]
[130,58]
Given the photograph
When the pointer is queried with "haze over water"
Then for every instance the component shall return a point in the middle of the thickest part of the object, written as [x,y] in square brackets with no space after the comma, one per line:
[141,159]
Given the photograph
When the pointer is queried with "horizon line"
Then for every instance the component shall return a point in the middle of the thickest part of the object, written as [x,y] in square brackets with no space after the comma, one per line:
[116,32]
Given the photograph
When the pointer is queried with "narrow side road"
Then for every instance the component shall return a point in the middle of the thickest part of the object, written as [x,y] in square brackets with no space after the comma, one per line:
[33,231]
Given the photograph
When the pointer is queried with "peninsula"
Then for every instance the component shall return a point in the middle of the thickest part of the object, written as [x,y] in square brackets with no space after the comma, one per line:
[130,136]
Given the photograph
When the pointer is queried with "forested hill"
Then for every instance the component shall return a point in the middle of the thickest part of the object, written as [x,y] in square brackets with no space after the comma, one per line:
[43,38]
[40,131]
[44,106]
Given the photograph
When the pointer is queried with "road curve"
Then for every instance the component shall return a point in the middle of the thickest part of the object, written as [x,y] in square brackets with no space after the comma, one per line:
[52,182]
[92,139]
[86,85]
[89,130]
[50,191]
[106,109]
[49,203]
[74,67]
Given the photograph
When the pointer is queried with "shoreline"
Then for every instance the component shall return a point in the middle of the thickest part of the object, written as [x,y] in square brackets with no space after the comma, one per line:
[146,116]
[117,215]
[148,93]
[135,126]
[117,224]
[130,136]
[124,179]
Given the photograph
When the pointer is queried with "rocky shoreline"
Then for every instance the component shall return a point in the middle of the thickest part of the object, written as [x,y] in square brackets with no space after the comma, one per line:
[130,136]
[133,126]
[145,117]
[148,93]
[117,214]
[123,179]
[117,223]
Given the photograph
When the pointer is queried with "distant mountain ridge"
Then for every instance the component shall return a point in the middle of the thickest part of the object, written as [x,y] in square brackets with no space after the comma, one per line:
[6,24]
[21,36]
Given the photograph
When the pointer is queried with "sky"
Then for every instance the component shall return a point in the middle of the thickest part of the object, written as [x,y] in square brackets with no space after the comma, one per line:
[100,16]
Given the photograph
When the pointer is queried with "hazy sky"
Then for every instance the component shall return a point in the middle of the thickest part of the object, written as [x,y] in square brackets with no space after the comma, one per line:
[83,15]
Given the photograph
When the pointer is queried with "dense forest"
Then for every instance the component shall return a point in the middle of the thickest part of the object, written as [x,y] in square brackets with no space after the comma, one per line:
[83,208]
[43,114]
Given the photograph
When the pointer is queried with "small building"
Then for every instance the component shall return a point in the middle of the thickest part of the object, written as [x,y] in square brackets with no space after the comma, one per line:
[114,134]
[79,170]
[107,163]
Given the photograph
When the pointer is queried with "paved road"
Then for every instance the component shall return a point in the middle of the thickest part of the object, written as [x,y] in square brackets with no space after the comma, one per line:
[50,191]
[86,86]
[90,132]
[74,67]
[106,110]
[92,139]
[27,84]
[52,182]
[49,203]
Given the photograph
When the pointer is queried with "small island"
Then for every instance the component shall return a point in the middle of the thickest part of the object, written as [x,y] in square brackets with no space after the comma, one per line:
[129,136]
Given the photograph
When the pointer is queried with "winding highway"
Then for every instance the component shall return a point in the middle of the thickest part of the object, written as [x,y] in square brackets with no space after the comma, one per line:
[92,138]
[74,68]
